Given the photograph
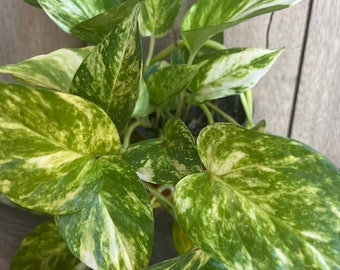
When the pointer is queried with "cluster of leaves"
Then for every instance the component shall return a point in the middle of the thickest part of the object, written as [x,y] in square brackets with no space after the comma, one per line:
[242,199]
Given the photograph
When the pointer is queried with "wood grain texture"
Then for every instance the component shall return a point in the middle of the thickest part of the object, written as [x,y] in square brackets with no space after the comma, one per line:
[273,95]
[27,31]
[317,114]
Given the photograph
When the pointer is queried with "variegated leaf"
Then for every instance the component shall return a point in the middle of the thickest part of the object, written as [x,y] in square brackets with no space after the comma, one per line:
[95,29]
[110,75]
[116,230]
[231,72]
[68,13]
[194,260]
[44,249]
[158,16]
[52,71]
[49,145]
[166,82]
[264,202]
[207,18]
[165,160]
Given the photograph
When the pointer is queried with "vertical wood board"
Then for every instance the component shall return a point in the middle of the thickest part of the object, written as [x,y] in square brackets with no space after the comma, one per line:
[27,31]
[317,114]
[273,95]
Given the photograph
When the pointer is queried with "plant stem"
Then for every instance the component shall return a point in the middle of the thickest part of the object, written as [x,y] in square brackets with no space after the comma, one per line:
[167,51]
[180,44]
[248,110]
[151,50]
[214,45]
[207,113]
[249,98]
[222,114]
[179,109]
[128,133]
[163,200]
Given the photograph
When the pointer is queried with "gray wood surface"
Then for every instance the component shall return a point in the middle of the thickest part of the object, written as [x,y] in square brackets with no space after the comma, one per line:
[26,31]
[317,114]
[273,95]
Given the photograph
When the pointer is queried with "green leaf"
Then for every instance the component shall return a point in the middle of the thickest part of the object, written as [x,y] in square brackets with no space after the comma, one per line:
[166,82]
[231,72]
[95,29]
[110,75]
[158,16]
[181,241]
[33,3]
[49,144]
[142,105]
[52,71]
[194,260]
[165,160]
[199,24]
[44,249]
[116,230]
[68,13]
[264,202]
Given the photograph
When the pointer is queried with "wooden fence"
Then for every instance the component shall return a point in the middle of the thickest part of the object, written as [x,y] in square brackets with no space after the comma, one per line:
[299,97]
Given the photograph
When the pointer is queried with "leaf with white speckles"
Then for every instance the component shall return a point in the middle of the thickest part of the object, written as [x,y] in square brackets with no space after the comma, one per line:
[231,72]
[49,144]
[264,202]
[110,75]
[165,160]
[68,13]
[53,71]
[44,249]
[95,29]
[116,230]
[199,24]
[194,260]
[158,16]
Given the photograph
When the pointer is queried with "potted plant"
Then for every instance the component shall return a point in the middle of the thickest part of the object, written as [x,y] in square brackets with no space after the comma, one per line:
[96,138]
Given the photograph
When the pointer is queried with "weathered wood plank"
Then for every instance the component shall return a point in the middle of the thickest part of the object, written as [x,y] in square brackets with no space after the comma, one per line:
[273,96]
[26,31]
[317,115]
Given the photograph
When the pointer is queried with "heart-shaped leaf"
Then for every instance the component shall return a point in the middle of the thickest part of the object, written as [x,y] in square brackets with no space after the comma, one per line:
[110,75]
[44,249]
[49,145]
[199,24]
[158,16]
[68,13]
[231,72]
[264,202]
[165,160]
[95,29]
[116,230]
[53,71]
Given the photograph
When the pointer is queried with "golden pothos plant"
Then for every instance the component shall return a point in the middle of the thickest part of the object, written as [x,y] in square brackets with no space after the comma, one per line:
[240,198]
